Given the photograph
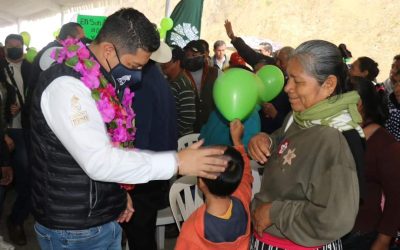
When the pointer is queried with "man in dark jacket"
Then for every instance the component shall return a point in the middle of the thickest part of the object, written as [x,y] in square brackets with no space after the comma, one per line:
[155,110]
[18,70]
[203,78]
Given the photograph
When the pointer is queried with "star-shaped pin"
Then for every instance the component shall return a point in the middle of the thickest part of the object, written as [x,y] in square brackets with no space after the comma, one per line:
[290,155]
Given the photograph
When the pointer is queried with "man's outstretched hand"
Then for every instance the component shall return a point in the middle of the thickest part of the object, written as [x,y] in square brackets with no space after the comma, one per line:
[229,30]
[202,162]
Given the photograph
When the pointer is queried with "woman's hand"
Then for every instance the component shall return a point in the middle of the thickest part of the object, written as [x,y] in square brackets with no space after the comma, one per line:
[202,162]
[126,215]
[269,110]
[260,218]
[236,128]
[382,242]
[259,147]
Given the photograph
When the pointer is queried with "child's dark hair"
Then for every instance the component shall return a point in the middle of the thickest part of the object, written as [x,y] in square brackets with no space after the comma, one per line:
[367,64]
[373,100]
[228,181]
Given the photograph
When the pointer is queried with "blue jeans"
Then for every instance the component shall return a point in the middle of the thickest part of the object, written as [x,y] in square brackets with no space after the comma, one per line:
[104,237]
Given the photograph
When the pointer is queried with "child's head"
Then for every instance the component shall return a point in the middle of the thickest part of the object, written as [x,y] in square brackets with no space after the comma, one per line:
[228,181]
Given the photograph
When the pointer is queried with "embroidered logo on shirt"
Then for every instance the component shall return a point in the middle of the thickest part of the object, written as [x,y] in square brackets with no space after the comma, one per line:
[290,155]
[78,116]
[282,147]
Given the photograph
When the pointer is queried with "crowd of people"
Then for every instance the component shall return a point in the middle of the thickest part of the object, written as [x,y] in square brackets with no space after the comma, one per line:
[89,131]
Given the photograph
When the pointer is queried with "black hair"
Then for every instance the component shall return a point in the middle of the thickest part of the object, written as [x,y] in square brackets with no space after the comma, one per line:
[69,30]
[367,64]
[374,101]
[205,45]
[228,181]
[129,30]
[344,51]
[218,43]
[396,57]
[321,59]
[177,54]
[267,46]
[14,37]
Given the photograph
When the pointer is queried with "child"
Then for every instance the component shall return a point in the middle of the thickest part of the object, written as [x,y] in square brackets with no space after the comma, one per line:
[223,221]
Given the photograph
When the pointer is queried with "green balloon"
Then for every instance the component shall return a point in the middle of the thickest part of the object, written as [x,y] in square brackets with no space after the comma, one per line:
[273,80]
[26,37]
[163,33]
[236,93]
[30,54]
[167,23]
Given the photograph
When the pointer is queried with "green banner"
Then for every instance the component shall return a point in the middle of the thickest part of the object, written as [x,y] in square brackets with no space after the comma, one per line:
[187,22]
[91,24]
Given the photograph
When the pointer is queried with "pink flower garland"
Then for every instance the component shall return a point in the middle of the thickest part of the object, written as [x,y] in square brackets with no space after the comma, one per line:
[118,116]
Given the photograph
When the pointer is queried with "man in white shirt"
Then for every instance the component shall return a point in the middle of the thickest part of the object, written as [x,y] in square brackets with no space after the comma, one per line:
[77,200]
[219,59]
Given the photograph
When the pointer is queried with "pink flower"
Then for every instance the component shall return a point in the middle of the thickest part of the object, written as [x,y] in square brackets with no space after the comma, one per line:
[127,98]
[79,67]
[83,52]
[120,134]
[92,82]
[106,110]
[69,41]
[109,90]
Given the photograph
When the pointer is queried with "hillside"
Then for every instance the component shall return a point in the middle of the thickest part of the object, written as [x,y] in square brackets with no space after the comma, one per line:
[368,27]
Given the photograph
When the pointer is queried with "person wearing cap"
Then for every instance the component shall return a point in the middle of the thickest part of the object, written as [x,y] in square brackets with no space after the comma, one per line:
[156,130]
[202,77]
[77,172]
[182,89]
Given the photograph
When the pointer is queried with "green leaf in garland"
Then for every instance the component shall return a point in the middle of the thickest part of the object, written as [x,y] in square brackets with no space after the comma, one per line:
[72,61]
[95,94]
[88,63]
[103,82]
[73,47]
[112,125]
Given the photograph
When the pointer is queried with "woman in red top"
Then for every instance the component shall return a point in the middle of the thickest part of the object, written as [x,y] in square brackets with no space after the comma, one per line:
[377,223]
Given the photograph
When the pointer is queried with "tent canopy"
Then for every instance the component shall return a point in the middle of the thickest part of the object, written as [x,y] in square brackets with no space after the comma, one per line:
[12,12]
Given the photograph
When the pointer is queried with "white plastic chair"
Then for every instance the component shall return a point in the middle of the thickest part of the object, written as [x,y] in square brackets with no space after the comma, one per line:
[256,177]
[164,216]
[187,140]
[182,208]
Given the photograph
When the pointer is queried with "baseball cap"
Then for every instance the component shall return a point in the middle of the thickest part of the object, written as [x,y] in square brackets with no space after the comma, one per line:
[163,54]
[195,46]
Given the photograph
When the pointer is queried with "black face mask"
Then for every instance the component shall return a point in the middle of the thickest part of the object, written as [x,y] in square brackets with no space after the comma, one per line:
[14,53]
[124,77]
[194,63]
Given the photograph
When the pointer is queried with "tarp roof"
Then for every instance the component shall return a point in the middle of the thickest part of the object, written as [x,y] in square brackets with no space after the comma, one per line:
[14,11]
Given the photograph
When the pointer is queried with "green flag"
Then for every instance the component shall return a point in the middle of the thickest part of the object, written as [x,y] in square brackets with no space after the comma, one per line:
[187,22]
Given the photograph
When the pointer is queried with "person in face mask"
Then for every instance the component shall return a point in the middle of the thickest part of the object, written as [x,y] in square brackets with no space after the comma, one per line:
[76,167]
[17,71]
[202,77]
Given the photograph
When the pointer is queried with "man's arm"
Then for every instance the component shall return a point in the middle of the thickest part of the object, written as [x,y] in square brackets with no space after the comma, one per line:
[249,55]
[80,128]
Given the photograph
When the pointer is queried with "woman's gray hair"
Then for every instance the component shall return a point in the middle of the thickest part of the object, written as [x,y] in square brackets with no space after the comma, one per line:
[321,59]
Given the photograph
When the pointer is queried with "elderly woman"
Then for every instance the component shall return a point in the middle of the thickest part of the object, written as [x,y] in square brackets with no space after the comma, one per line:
[310,193]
